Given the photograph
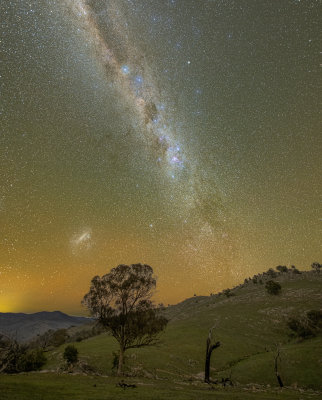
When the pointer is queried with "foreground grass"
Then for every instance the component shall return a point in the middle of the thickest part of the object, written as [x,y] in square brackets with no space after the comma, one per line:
[43,386]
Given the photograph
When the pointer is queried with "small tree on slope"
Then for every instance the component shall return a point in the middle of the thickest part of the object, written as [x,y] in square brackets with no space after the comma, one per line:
[120,300]
[273,287]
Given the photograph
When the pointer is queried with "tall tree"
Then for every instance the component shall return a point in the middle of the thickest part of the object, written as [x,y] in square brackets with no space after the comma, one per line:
[121,302]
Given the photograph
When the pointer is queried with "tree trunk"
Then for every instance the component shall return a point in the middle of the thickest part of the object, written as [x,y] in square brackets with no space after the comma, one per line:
[278,377]
[209,349]
[207,366]
[121,361]
[279,380]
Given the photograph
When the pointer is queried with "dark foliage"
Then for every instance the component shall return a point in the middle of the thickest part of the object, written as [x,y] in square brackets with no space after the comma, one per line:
[10,355]
[51,338]
[282,268]
[306,326]
[15,357]
[300,328]
[317,266]
[32,360]
[273,287]
[295,270]
[271,273]
[71,354]
[59,337]
[121,303]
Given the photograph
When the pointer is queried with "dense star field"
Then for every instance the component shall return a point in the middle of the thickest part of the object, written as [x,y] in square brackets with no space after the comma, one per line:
[184,134]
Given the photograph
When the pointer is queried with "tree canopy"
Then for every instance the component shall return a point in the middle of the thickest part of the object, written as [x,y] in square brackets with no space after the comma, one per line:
[316,266]
[273,287]
[121,302]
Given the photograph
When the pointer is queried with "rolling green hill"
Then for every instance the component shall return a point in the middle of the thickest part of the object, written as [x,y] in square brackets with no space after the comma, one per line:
[250,324]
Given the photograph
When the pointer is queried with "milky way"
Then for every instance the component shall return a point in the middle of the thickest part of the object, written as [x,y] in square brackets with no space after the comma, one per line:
[182,134]
[135,82]
[125,65]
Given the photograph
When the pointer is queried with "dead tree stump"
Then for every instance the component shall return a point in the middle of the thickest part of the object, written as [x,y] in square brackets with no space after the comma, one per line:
[209,349]
[278,377]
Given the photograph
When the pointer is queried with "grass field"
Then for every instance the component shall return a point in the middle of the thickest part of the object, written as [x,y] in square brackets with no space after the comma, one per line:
[250,325]
[69,387]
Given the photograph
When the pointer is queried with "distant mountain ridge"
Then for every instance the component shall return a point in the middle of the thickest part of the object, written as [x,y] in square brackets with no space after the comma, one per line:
[24,327]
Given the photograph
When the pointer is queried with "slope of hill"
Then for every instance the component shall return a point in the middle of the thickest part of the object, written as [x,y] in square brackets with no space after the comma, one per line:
[250,324]
[24,327]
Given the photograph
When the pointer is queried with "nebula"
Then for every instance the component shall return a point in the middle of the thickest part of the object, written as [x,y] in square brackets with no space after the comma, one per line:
[128,69]
[81,241]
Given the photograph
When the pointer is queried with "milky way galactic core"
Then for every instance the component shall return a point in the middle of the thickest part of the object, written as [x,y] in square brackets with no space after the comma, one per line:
[126,66]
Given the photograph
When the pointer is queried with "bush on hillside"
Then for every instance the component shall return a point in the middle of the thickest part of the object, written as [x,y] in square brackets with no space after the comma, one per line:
[295,270]
[10,354]
[316,266]
[228,293]
[307,326]
[273,287]
[282,268]
[32,360]
[300,328]
[71,354]
[271,273]
[16,357]
[59,337]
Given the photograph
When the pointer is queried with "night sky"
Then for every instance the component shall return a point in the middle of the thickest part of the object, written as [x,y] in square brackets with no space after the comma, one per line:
[184,134]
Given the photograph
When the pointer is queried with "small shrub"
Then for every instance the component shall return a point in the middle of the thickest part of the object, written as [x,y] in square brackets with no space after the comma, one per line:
[11,352]
[300,328]
[16,357]
[273,287]
[307,326]
[316,266]
[282,268]
[58,337]
[228,293]
[271,273]
[32,360]
[296,271]
[71,354]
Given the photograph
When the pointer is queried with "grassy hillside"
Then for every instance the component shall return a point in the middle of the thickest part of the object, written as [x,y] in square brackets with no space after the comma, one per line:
[250,325]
